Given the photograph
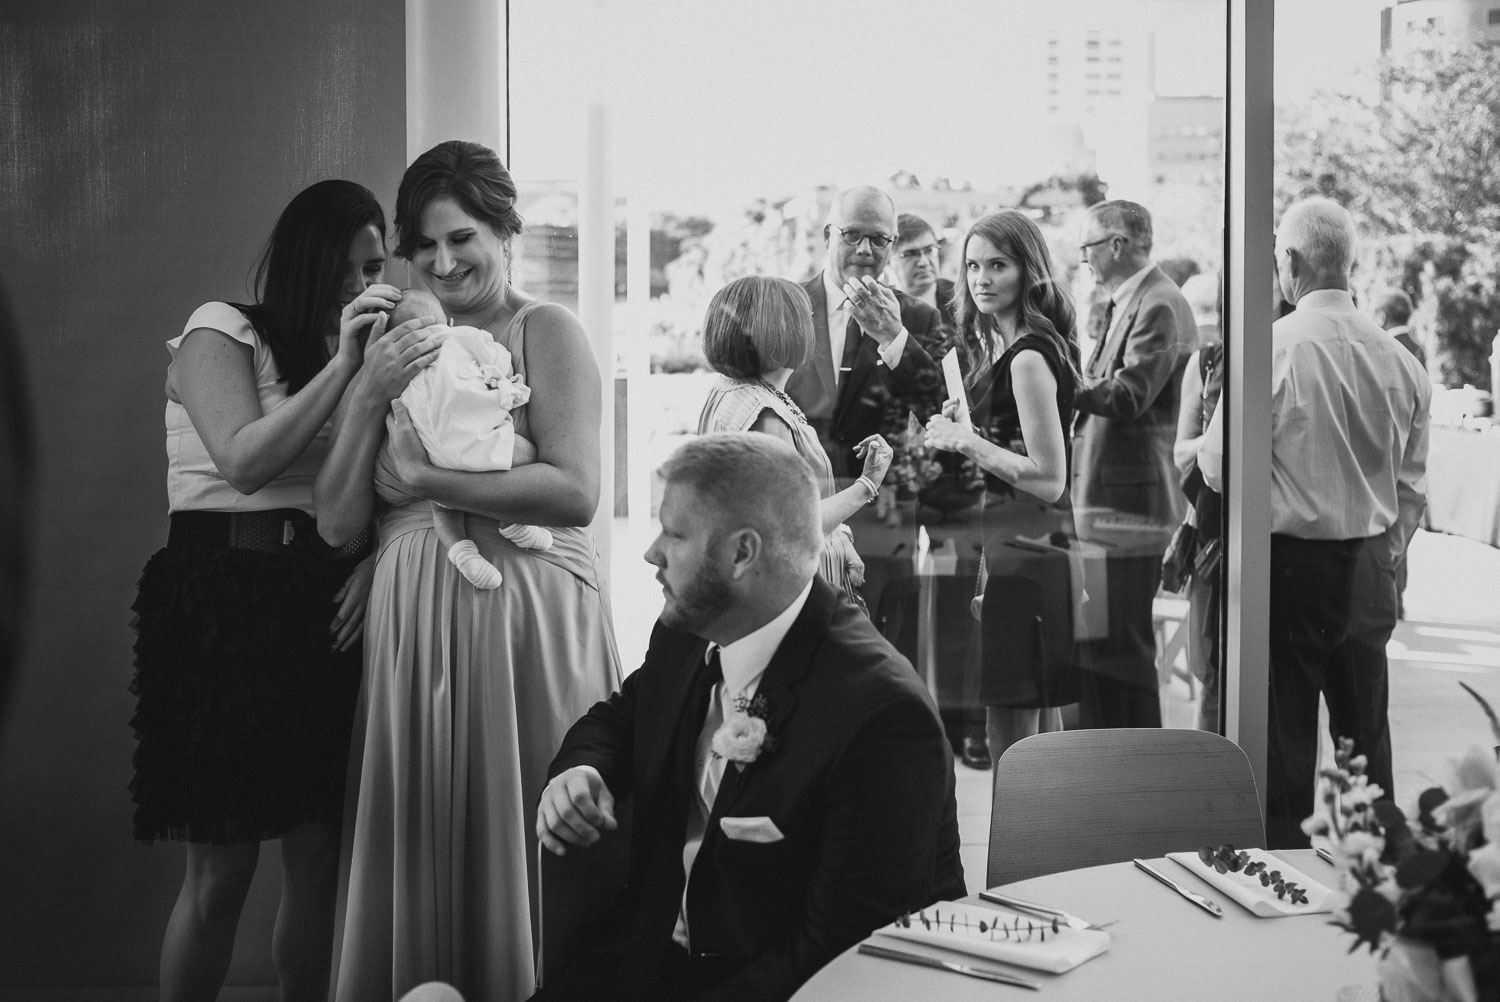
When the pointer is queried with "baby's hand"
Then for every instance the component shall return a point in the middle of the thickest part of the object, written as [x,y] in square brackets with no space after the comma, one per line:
[523,454]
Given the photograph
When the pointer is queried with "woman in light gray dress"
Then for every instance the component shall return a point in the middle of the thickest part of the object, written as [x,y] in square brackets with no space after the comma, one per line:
[467,692]
[757,331]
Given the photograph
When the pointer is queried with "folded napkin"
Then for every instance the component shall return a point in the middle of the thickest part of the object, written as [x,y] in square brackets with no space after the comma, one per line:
[1023,940]
[1261,901]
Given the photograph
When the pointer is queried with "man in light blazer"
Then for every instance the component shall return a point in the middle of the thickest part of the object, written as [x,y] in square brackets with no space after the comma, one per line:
[1122,453]
[754,860]
[871,358]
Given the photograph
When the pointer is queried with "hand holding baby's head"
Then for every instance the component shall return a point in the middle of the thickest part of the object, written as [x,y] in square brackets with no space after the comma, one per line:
[416,304]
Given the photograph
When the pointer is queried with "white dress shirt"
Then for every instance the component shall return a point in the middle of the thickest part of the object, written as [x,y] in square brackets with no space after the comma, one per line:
[1349,426]
[744,663]
[1122,295]
[838,321]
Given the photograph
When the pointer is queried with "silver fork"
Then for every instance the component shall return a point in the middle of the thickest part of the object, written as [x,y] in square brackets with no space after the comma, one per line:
[1066,918]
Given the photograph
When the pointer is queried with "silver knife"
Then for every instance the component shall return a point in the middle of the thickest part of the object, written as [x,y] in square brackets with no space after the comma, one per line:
[1207,904]
[1325,856]
[925,961]
[1071,921]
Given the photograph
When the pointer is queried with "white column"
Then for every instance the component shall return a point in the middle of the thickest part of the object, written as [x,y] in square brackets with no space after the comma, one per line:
[637,350]
[596,302]
[1247,387]
[455,74]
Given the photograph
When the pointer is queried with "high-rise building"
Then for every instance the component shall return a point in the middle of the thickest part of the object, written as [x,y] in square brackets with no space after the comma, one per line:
[1417,24]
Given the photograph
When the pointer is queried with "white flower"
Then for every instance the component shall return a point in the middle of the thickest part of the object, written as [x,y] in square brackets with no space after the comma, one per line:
[740,738]
[1489,818]
[1484,864]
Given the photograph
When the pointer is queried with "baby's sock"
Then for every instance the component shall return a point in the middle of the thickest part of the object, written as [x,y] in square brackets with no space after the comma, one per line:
[476,570]
[527,537]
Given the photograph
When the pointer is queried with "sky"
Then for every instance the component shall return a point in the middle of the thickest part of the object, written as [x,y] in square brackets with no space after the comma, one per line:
[710,104]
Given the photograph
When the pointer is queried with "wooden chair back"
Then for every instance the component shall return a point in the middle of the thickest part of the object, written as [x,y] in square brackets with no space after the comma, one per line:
[1071,799]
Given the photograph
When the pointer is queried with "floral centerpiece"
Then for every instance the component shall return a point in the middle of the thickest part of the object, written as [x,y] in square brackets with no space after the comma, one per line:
[1423,894]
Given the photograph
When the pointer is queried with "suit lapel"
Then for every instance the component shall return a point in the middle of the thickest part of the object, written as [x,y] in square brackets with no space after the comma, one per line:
[665,758]
[812,385]
[789,666]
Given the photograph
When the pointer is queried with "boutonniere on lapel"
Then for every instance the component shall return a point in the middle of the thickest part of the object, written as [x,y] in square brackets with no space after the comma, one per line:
[742,737]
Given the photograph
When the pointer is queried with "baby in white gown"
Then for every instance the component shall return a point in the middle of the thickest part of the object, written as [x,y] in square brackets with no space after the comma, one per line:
[460,406]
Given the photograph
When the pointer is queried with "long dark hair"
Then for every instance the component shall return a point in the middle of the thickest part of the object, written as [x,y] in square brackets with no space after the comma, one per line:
[469,173]
[300,277]
[1044,305]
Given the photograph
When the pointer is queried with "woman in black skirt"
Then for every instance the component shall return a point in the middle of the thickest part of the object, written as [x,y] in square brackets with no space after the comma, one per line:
[247,665]
[1020,352]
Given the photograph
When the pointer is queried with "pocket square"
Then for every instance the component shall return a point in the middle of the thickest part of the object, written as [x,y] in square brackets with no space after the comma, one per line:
[751,829]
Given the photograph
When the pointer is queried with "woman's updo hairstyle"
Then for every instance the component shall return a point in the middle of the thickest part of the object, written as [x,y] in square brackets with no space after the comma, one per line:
[470,174]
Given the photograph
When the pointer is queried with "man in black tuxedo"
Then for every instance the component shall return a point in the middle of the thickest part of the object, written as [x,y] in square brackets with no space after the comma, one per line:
[870,360]
[753,860]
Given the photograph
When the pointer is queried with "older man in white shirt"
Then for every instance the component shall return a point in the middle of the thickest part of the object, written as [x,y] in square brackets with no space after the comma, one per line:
[1349,425]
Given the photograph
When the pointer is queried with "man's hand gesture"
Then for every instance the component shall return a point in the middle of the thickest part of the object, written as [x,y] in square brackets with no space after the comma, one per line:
[576,809]
[876,309]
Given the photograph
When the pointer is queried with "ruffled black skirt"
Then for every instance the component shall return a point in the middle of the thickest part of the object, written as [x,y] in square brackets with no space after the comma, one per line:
[243,709]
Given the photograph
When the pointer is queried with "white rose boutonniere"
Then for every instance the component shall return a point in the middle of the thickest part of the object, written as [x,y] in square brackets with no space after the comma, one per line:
[742,737]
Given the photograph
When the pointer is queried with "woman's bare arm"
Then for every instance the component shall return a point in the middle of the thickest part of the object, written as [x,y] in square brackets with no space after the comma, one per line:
[834,509]
[1189,418]
[344,492]
[562,486]
[1043,471]
[214,376]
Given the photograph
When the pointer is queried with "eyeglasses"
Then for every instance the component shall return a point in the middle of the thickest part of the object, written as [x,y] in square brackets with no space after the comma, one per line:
[1083,248]
[852,238]
[916,253]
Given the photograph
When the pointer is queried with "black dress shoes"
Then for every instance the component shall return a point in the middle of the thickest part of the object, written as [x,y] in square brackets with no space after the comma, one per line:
[976,753]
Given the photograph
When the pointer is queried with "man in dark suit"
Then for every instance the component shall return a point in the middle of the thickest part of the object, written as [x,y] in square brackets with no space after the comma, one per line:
[792,788]
[1393,312]
[1122,455]
[870,359]
[917,257]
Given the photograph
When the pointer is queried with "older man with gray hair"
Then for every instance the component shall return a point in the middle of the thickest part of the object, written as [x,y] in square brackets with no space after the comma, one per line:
[1122,454]
[1349,421]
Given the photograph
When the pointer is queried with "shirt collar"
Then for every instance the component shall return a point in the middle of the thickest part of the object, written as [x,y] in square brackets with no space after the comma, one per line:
[1127,288]
[745,660]
[836,297]
[1326,298]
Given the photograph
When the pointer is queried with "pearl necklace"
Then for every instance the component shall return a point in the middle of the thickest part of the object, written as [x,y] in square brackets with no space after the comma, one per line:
[791,404]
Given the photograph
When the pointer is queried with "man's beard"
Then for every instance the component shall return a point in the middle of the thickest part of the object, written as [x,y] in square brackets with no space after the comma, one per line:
[704,599]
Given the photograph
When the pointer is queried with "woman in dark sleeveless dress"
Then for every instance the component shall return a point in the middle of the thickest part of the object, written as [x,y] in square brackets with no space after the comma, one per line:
[1020,348]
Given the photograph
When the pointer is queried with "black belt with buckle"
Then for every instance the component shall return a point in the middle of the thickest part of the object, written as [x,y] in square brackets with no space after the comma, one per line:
[286,531]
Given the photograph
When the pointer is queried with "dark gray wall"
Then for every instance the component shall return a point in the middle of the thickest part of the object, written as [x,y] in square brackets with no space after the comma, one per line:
[145,150]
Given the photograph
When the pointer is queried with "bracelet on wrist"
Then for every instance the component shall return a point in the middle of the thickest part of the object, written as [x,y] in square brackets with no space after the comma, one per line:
[869,486]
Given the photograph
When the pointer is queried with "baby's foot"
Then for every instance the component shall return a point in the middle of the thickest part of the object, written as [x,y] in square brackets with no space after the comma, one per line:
[527,537]
[476,570]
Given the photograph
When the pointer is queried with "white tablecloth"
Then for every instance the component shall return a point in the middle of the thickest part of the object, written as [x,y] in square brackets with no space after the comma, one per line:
[1163,948]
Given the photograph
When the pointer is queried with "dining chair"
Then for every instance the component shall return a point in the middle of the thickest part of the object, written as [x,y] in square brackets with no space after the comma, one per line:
[574,892]
[1070,799]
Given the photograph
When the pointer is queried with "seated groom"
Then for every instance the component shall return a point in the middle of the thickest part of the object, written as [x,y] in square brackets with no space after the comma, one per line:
[792,786]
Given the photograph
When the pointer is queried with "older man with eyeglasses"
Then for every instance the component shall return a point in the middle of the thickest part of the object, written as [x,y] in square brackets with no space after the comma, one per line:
[870,359]
[1123,475]
[918,256]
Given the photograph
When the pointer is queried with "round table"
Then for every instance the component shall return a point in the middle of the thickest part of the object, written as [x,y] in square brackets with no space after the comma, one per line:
[1162,947]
